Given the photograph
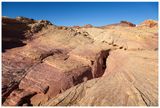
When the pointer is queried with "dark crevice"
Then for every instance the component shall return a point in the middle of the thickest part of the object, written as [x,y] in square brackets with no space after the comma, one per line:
[104,64]
[92,62]
[80,74]
[99,65]
[26,100]
[6,93]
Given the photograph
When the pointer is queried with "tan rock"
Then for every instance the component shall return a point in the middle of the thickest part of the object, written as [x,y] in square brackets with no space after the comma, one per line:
[97,66]
[149,23]
[129,80]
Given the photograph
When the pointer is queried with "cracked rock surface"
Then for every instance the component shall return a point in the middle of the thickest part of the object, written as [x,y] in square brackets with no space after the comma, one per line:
[123,83]
[48,65]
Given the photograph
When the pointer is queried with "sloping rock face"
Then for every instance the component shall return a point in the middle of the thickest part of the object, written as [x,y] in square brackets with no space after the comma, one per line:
[15,31]
[123,83]
[115,66]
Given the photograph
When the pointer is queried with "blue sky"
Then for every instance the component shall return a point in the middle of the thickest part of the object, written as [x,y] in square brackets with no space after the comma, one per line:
[81,13]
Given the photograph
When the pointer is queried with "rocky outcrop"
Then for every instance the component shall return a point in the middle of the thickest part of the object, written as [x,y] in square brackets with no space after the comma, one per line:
[149,23]
[77,27]
[123,84]
[14,67]
[121,24]
[15,31]
[88,26]
[126,23]
[48,78]
[131,38]
[58,65]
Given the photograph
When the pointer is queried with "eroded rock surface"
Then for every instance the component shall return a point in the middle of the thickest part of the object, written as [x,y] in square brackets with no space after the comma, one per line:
[149,23]
[58,65]
[123,83]
[16,31]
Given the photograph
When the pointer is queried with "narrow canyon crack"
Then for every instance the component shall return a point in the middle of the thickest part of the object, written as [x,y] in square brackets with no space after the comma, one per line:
[99,65]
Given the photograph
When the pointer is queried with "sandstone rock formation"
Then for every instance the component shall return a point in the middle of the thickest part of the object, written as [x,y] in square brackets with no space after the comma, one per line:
[121,24]
[149,23]
[87,26]
[115,65]
[123,84]
[16,31]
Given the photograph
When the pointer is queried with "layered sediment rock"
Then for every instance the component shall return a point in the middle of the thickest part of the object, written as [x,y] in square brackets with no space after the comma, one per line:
[114,65]
[16,31]
[123,83]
